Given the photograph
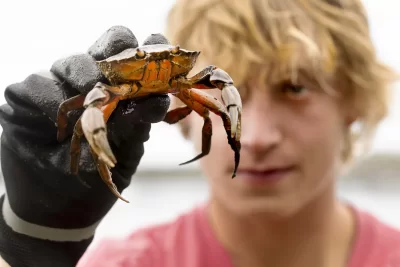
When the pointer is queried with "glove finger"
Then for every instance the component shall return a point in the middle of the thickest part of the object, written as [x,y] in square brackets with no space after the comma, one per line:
[113,41]
[151,109]
[79,71]
[131,115]
[32,106]
[130,153]
[156,38]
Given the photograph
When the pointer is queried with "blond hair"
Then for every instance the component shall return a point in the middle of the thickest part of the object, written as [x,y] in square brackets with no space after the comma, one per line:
[329,38]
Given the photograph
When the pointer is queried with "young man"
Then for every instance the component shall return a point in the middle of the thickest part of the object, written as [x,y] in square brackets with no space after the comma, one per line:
[306,71]
[304,79]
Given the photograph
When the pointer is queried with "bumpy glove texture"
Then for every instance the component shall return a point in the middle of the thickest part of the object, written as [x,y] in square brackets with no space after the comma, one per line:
[40,188]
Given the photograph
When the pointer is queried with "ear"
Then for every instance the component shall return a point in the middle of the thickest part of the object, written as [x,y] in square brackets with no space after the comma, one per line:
[351,113]
[350,120]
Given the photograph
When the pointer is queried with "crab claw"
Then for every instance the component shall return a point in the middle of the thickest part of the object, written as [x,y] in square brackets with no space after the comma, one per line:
[233,103]
[94,129]
[230,96]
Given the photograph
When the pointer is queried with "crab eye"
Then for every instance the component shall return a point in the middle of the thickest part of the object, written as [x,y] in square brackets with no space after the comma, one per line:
[175,49]
[140,53]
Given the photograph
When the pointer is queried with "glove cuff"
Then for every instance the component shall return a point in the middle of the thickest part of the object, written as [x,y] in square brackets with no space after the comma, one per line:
[21,226]
[19,249]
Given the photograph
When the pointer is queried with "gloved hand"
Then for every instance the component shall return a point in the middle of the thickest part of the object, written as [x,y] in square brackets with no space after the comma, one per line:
[41,193]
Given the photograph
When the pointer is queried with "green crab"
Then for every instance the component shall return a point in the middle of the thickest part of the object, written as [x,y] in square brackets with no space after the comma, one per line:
[142,71]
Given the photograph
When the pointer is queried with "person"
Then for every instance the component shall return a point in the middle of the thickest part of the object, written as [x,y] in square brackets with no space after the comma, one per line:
[307,72]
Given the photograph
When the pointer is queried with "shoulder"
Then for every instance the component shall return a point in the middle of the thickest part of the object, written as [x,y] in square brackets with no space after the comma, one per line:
[386,236]
[147,246]
[376,242]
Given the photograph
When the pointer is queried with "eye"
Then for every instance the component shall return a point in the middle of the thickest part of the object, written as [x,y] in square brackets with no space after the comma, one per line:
[244,93]
[295,91]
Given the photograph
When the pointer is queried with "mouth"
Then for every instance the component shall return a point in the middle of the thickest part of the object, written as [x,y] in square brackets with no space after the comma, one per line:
[265,176]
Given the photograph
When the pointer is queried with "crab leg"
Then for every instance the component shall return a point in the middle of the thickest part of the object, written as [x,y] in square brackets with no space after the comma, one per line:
[105,175]
[94,126]
[207,126]
[202,103]
[209,78]
[212,77]
[73,103]
[93,122]
[78,133]
[175,115]
[75,150]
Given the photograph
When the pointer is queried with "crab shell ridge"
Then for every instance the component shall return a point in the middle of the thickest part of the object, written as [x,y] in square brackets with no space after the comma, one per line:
[130,65]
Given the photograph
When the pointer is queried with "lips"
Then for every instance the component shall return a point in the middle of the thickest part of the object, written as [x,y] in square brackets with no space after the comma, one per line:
[264,175]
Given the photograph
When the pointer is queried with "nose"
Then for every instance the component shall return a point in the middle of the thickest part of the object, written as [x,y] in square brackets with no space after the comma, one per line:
[260,125]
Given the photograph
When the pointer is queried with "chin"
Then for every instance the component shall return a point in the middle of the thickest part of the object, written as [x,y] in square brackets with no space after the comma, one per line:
[270,207]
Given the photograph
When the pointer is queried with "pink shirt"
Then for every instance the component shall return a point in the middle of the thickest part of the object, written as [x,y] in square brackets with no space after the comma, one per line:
[188,241]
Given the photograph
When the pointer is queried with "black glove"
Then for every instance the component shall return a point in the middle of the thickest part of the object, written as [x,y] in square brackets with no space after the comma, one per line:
[41,192]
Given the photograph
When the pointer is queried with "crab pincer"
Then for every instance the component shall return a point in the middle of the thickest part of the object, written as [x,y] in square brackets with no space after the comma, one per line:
[95,131]
[231,98]
[233,103]
[94,128]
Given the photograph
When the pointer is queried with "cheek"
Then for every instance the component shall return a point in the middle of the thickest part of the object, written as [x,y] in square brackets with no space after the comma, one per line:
[318,135]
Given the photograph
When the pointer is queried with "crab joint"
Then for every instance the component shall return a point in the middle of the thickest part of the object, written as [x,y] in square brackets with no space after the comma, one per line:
[95,95]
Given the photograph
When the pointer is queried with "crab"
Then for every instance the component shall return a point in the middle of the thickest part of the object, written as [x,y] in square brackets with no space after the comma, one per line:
[142,71]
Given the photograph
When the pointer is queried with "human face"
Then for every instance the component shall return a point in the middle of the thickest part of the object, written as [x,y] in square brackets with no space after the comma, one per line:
[291,144]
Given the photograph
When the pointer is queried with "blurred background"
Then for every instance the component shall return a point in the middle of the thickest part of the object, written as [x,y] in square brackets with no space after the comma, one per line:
[36,33]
